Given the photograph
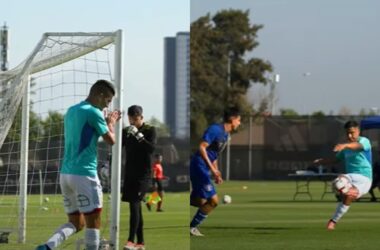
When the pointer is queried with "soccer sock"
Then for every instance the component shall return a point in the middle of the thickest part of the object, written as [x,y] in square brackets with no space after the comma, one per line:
[198,218]
[92,239]
[60,235]
[340,211]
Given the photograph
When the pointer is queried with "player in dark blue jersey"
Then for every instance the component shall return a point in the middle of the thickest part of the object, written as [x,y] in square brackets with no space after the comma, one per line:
[204,167]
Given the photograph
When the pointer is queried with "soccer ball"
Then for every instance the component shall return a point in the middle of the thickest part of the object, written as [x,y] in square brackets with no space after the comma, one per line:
[227,199]
[105,172]
[341,184]
[46,199]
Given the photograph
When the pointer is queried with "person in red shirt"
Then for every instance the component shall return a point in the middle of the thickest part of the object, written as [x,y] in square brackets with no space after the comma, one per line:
[158,176]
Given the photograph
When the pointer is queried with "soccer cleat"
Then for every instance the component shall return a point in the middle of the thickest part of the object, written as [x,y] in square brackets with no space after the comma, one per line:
[159,210]
[195,232]
[104,246]
[331,225]
[129,246]
[42,247]
[139,247]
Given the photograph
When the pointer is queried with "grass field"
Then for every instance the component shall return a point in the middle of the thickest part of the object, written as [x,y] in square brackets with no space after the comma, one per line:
[264,216]
[163,231]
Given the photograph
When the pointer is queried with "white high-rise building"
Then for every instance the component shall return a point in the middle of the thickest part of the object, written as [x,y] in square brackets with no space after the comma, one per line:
[177,84]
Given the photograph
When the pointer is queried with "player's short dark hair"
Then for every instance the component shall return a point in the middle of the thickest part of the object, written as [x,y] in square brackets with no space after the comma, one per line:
[229,113]
[102,86]
[135,110]
[157,156]
[351,124]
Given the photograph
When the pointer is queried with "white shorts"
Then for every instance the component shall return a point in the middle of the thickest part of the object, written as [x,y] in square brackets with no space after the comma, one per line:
[361,182]
[81,193]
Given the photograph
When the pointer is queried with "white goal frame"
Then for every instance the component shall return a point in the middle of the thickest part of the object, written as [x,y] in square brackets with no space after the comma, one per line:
[109,37]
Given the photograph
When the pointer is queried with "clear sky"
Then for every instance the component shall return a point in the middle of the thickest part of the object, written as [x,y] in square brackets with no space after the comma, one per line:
[145,24]
[337,43]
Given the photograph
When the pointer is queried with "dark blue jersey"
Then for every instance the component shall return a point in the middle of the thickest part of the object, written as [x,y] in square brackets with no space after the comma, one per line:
[216,137]
[200,177]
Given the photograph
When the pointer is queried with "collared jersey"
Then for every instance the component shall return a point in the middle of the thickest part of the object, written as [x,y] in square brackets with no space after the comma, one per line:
[358,162]
[83,125]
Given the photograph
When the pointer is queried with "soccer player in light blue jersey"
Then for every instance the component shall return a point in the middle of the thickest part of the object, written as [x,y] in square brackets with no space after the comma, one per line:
[84,123]
[357,157]
[204,166]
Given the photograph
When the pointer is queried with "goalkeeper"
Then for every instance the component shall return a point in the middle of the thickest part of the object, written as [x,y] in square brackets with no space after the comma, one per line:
[82,193]
[139,141]
[356,154]
[203,162]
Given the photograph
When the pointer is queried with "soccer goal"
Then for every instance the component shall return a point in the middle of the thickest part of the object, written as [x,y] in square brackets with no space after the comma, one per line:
[34,97]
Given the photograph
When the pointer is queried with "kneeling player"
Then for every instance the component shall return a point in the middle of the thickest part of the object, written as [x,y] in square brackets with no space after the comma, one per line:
[356,154]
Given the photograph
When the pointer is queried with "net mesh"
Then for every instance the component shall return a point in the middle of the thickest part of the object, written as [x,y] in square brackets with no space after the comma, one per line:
[61,73]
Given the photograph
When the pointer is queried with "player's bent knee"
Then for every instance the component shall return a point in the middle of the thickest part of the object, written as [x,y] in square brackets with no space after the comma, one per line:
[213,203]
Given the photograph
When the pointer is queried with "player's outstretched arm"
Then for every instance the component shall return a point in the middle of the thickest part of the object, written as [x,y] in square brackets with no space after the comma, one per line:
[356,146]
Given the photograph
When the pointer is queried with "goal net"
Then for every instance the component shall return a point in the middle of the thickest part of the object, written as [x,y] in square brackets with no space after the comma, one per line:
[34,97]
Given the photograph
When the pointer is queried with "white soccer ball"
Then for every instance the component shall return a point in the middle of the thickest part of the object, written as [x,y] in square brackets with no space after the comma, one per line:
[104,172]
[46,199]
[227,199]
[341,184]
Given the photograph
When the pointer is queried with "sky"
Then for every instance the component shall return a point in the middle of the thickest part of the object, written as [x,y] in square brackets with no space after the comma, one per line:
[144,23]
[327,53]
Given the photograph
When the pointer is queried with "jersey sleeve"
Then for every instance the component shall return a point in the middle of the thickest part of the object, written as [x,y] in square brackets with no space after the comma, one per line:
[97,121]
[365,143]
[210,134]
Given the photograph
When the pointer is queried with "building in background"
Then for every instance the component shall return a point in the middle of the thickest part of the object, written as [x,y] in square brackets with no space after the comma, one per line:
[177,84]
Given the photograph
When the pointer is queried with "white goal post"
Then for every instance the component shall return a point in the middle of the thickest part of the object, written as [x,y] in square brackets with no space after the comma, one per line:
[53,51]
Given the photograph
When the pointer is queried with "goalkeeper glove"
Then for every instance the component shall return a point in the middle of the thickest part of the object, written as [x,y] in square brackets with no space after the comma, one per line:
[132,130]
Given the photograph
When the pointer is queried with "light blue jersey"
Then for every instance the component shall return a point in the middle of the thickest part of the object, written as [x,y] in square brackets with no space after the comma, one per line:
[358,162]
[83,125]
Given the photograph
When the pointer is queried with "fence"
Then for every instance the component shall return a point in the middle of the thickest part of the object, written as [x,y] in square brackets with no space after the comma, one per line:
[273,147]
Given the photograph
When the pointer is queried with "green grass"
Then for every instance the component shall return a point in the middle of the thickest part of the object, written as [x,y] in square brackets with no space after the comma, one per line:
[264,216]
[163,231]
[261,217]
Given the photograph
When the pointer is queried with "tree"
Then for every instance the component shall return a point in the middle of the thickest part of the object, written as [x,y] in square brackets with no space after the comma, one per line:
[161,129]
[318,114]
[14,133]
[216,44]
[288,112]
[345,111]
[53,124]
